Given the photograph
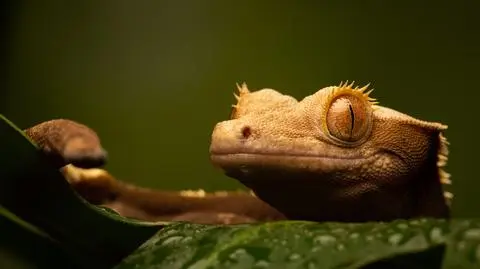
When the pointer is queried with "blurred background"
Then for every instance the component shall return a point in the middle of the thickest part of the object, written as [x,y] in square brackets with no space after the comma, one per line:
[153,77]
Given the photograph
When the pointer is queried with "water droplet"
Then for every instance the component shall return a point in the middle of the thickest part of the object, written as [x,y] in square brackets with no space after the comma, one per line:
[436,235]
[294,256]
[240,258]
[402,226]
[395,239]
[472,234]
[338,230]
[324,239]
[311,265]
[172,240]
[415,222]
[341,247]
[237,253]
[354,235]
[262,264]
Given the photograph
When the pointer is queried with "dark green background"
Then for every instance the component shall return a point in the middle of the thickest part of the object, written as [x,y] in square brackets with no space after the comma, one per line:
[153,77]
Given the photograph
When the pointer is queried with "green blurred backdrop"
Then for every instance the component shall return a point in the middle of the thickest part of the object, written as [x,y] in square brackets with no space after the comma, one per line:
[153,77]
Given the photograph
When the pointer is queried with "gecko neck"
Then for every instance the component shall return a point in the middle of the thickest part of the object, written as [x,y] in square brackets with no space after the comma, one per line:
[429,196]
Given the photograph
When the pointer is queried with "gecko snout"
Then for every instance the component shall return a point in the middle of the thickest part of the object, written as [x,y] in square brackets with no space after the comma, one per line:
[233,131]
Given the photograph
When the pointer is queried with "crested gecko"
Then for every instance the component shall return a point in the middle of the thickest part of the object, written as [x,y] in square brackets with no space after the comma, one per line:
[336,155]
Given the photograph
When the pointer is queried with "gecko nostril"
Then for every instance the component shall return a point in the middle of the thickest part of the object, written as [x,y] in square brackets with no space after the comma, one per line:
[246,132]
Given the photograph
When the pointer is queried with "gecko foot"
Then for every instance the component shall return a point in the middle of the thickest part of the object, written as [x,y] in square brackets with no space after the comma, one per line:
[68,142]
[81,153]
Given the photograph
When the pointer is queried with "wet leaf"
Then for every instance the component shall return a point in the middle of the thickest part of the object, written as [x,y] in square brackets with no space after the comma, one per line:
[292,244]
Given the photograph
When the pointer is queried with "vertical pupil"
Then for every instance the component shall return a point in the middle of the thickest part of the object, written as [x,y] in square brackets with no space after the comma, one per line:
[352,116]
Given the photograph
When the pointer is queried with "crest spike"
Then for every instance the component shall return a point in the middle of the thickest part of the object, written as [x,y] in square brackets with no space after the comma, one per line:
[364,88]
[445,178]
[369,92]
[242,89]
[448,195]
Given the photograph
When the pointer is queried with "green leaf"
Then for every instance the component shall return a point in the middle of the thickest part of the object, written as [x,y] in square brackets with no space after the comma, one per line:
[293,244]
[37,193]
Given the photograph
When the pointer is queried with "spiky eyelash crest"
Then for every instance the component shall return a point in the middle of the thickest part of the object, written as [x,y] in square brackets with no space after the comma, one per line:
[242,90]
[349,88]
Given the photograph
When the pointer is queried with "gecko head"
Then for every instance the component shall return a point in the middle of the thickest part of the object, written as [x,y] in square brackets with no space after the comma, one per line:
[336,148]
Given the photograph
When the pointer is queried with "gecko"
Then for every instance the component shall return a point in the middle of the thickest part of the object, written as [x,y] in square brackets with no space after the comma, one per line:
[336,155]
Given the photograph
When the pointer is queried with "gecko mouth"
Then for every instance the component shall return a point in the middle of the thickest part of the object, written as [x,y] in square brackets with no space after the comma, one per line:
[252,162]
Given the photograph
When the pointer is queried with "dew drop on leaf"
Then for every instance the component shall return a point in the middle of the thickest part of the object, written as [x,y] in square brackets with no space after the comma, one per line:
[262,264]
[436,235]
[472,234]
[172,240]
[354,235]
[237,253]
[294,256]
[324,239]
[395,239]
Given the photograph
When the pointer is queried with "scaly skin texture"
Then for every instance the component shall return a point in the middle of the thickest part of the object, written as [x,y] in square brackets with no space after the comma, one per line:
[334,156]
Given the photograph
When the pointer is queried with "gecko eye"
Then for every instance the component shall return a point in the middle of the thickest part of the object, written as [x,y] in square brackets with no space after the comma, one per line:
[347,118]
